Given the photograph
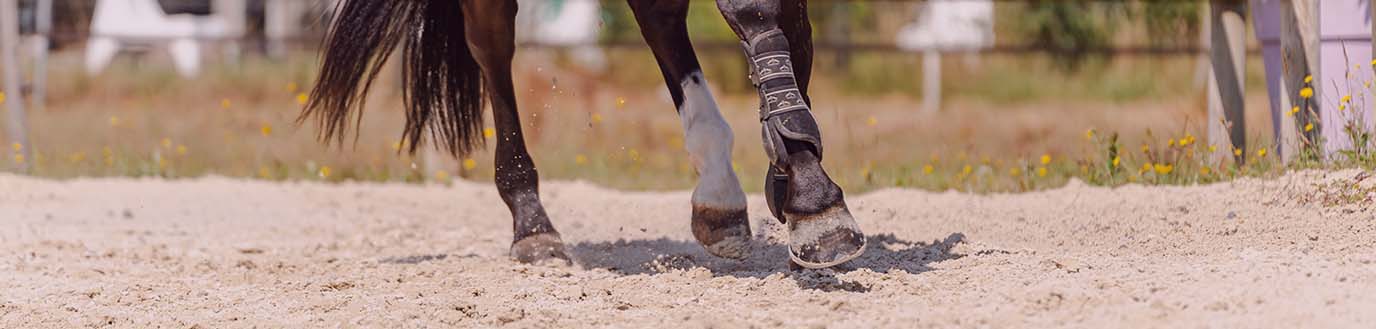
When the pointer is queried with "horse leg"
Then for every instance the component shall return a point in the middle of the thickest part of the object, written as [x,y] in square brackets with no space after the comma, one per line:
[719,220]
[822,232]
[490,28]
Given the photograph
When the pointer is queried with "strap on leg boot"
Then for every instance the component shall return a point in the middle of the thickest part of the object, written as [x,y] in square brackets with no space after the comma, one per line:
[775,192]
[784,114]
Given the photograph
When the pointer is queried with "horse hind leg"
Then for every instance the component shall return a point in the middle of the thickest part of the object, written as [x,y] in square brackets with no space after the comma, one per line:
[490,30]
[822,231]
[719,218]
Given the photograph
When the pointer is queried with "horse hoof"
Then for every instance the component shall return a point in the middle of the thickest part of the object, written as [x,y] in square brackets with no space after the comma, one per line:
[825,239]
[724,233]
[540,249]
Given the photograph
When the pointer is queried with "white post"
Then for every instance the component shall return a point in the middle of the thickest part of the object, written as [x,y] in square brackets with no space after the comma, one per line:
[280,24]
[14,98]
[234,14]
[931,81]
[44,22]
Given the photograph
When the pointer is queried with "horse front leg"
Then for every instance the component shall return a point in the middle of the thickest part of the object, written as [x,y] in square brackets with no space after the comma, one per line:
[719,219]
[822,232]
[490,30]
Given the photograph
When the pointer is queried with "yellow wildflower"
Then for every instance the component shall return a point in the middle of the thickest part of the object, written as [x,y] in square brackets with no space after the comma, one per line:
[1041,171]
[489,132]
[966,170]
[17,147]
[1237,152]
[441,175]
[1213,148]
[928,169]
[1046,159]
[1115,162]
[1145,167]
[1307,92]
[1342,107]
[1294,110]
[596,118]
[1308,78]
[1308,127]
[580,159]
[166,143]
[1204,170]
[291,87]
[469,164]
[1014,172]
[1146,148]
[2,97]
[1373,62]
[1261,153]
[1089,134]
[325,172]
[620,102]
[266,130]
[871,121]
[18,159]
[264,173]
[1162,169]
[1170,142]
[181,149]
[302,98]
[1346,98]
[224,103]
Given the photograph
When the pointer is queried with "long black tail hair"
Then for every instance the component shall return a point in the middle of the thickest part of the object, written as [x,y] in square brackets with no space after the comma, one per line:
[442,82]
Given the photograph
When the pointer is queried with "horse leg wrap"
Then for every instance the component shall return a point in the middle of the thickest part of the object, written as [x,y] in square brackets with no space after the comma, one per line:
[784,113]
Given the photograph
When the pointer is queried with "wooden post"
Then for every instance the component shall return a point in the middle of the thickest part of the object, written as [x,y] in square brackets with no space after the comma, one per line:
[14,97]
[931,81]
[1299,54]
[1227,53]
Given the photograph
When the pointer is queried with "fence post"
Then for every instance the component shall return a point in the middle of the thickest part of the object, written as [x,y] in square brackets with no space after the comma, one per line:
[1227,53]
[14,97]
[1299,54]
[44,25]
[931,81]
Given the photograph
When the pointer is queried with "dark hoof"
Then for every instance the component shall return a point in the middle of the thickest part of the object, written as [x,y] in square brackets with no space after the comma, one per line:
[540,249]
[825,239]
[724,233]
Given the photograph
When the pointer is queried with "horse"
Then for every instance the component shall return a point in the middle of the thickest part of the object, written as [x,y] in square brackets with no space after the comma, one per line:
[457,56]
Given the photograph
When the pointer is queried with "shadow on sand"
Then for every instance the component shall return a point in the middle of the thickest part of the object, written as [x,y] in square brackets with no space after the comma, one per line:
[884,253]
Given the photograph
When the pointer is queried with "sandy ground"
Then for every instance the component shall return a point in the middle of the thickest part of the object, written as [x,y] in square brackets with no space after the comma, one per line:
[1297,251]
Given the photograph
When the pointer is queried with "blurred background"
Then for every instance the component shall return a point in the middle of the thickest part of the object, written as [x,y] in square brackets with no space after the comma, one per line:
[970,95]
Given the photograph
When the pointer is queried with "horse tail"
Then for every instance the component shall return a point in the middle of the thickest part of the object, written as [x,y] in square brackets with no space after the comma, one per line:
[442,83]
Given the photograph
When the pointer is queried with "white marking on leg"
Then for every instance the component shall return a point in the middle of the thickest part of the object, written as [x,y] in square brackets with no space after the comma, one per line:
[708,139]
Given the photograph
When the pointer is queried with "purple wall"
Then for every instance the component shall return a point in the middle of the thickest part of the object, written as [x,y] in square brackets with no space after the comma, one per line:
[1344,68]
